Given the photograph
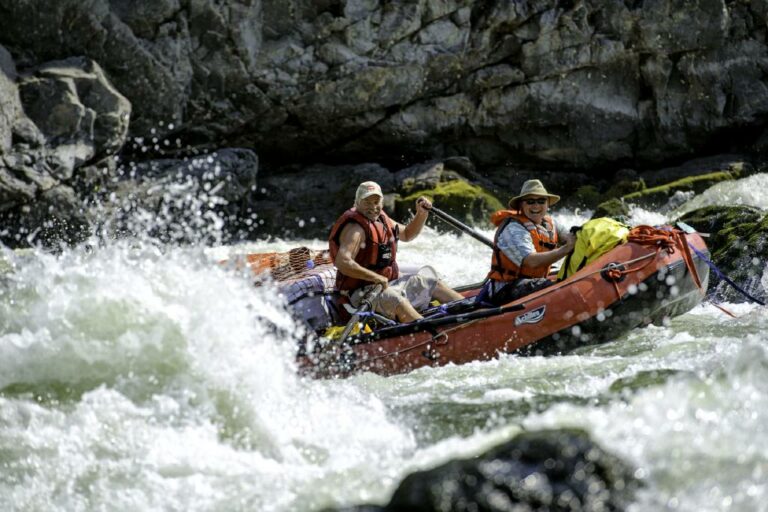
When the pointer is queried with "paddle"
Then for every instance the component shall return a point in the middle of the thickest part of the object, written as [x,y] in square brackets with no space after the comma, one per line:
[428,324]
[460,226]
[365,305]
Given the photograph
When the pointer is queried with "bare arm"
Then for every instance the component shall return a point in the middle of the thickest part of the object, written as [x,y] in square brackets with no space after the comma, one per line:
[538,260]
[351,240]
[414,227]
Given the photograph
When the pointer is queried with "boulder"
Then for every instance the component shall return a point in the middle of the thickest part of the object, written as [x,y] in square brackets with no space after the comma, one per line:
[448,190]
[544,470]
[667,188]
[738,241]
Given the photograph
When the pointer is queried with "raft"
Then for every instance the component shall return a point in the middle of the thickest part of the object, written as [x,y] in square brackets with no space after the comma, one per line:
[659,273]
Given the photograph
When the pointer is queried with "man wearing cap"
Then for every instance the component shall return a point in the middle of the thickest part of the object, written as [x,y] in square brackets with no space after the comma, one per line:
[525,246]
[363,246]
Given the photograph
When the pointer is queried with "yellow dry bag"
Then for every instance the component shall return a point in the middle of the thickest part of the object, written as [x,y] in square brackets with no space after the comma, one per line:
[593,239]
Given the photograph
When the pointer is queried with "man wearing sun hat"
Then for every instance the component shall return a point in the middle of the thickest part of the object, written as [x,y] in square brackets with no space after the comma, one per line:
[525,245]
[363,246]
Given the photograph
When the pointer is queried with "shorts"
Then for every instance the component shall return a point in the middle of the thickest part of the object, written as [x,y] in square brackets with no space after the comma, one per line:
[416,289]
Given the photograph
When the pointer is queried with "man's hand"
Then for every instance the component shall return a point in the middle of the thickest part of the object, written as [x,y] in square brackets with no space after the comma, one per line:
[381,280]
[569,242]
[423,204]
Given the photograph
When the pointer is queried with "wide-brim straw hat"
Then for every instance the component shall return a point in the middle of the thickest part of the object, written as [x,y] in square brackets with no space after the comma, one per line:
[533,188]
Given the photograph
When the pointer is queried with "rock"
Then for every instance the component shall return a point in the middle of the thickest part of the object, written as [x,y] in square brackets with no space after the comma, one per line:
[10,106]
[448,190]
[569,91]
[738,241]
[545,470]
[62,116]
[207,199]
[575,85]
[666,189]
[78,111]
[305,202]
[614,208]
[56,218]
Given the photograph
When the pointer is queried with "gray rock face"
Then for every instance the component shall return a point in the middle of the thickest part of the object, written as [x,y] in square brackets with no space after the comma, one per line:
[55,120]
[77,110]
[9,99]
[569,84]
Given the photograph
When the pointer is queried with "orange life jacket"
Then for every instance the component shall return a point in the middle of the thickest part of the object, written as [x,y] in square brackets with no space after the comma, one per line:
[377,234]
[504,269]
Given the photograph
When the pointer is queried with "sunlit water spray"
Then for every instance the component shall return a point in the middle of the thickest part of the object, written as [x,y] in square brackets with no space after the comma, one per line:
[143,376]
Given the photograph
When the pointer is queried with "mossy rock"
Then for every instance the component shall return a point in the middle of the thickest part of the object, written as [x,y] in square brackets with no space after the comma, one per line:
[590,196]
[624,188]
[587,196]
[469,203]
[738,243]
[658,196]
[614,208]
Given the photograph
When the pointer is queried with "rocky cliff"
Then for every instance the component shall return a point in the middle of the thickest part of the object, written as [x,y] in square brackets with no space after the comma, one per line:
[584,87]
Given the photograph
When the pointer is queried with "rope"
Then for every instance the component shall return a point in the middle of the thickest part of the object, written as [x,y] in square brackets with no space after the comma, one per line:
[726,278]
[664,238]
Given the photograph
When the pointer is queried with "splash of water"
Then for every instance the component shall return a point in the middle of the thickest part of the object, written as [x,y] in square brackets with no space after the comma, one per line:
[137,378]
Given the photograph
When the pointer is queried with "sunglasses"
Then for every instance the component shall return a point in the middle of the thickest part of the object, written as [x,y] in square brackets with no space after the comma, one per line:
[530,202]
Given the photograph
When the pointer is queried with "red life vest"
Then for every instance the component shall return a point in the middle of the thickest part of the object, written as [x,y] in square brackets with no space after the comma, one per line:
[504,269]
[383,233]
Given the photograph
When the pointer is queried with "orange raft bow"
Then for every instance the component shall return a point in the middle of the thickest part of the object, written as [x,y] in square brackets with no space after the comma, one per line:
[662,239]
[282,265]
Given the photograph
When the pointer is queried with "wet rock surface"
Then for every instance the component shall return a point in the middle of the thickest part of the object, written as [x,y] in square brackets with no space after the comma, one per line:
[609,103]
[738,241]
[559,470]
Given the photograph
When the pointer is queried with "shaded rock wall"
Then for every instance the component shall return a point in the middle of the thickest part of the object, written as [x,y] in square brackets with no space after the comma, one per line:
[326,93]
[57,122]
[575,84]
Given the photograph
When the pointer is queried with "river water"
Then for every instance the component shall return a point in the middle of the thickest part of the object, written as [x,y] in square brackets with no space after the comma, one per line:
[138,376]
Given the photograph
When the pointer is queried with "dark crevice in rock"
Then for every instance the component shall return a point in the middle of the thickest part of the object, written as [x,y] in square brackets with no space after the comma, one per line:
[646,90]
[172,19]
[633,5]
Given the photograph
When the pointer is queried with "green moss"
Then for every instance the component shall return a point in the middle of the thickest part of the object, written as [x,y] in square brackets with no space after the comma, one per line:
[614,208]
[624,188]
[729,227]
[738,242]
[467,202]
[587,196]
[659,195]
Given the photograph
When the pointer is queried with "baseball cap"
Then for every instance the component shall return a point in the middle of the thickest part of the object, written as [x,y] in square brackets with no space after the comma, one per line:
[367,188]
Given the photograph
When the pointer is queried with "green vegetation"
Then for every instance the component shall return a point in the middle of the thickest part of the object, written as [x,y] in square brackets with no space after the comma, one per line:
[467,202]
[614,208]
[660,194]
[731,229]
